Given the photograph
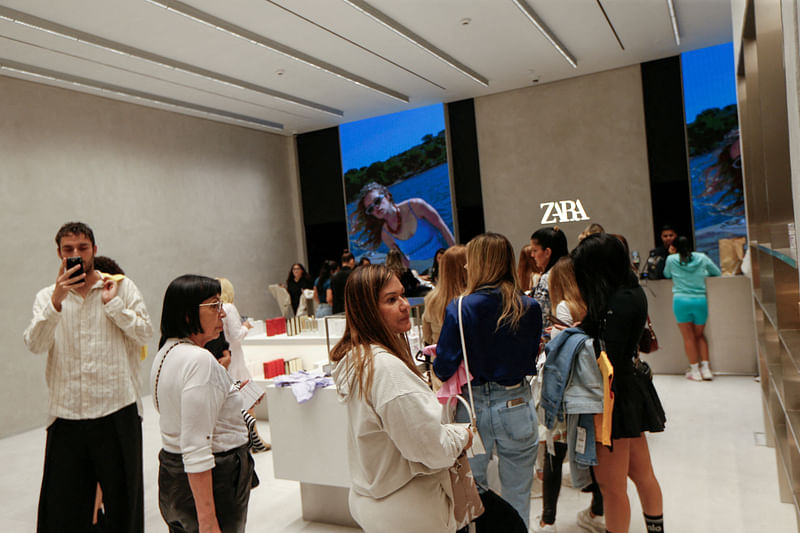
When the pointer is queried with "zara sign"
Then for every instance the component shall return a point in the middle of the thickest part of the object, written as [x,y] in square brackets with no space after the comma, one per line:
[563,211]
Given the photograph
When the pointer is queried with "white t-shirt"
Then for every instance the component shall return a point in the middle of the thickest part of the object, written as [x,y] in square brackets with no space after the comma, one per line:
[200,413]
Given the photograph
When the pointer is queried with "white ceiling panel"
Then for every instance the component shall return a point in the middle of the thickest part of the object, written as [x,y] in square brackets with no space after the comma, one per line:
[347,60]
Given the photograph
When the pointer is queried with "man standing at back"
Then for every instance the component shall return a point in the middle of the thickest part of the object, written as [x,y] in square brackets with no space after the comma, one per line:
[85,324]
[339,280]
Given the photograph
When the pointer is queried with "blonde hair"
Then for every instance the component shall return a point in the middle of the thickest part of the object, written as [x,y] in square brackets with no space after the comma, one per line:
[365,326]
[227,290]
[563,287]
[452,280]
[590,230]
[394,262]
[490,262]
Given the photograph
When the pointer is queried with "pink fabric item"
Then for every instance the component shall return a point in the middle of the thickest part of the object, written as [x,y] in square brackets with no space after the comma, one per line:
[452,387]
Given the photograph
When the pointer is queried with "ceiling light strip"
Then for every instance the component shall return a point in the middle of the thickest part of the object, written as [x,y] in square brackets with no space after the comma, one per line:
[542,27]
[673,18]
[152,77]
[185,10]
[52,28]
[139,96]
[412,37]
[351,42]
[610,25]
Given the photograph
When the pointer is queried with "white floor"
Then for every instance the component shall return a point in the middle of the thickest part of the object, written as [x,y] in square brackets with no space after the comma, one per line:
[714,474]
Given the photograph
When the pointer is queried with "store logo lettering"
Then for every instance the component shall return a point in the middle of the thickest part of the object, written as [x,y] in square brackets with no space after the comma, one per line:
[563,211]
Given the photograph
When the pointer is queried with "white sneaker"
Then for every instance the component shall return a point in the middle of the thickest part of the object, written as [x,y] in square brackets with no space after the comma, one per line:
[596,524]
[693,374]
[705,371]
[536,527]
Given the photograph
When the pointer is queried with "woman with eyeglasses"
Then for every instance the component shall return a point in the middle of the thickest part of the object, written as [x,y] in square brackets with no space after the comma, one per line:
[413,226]
[205,469]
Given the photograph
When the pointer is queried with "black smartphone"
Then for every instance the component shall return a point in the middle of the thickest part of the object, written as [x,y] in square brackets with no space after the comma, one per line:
[71,262]
[555,320]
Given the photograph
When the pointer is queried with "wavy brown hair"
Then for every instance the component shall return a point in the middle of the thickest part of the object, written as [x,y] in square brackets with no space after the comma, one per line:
[490,263]
[365,326]
[452,280]
[526,268]
[563,287]
[367,228]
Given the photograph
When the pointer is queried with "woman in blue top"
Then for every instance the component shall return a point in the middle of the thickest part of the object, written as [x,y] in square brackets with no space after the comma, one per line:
[413,226]
[688,271]
[502,327]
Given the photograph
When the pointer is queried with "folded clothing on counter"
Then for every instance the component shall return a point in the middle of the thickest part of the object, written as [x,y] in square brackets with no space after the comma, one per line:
[303,383]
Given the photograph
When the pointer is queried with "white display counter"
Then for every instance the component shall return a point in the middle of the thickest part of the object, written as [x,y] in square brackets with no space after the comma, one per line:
[730,329]
[309,446]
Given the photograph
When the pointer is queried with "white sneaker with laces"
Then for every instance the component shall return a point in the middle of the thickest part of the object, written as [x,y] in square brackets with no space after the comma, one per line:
[536,526]
[705,372]
[694,374]
[596,524]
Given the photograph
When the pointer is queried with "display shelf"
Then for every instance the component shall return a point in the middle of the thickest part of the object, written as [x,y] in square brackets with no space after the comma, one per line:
[770,310]
[787,255]
[791,341]
[793,425]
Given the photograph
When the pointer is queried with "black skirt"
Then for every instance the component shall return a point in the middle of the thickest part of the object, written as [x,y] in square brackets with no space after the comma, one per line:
[637,407]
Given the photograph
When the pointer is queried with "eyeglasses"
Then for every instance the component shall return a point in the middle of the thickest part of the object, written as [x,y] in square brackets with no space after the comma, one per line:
[217,305]
[375,203]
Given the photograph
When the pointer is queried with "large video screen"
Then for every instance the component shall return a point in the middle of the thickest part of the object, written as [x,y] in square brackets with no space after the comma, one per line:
[712,126]
[397,186]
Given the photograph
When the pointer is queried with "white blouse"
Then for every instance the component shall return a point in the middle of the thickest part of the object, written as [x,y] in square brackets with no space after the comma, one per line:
[200,412]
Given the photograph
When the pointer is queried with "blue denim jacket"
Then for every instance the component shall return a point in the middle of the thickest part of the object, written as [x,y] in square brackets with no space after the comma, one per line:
[572,384]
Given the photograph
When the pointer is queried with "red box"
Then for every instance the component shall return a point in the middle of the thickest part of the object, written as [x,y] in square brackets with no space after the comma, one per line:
[273,368]
[275,326]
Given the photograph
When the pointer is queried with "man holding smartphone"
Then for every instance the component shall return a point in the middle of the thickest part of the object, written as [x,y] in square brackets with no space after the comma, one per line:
[85,325]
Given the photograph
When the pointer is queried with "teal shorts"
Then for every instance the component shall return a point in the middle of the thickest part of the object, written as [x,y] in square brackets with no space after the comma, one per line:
[692,309]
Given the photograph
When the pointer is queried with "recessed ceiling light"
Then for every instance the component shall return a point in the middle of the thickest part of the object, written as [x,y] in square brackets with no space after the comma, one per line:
[280,72]
[465,21]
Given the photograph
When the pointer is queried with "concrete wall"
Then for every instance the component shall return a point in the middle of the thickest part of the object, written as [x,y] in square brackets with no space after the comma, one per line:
[582,138]
[166,194]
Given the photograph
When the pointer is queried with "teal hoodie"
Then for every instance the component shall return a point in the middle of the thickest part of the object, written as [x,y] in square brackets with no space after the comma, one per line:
[689,279]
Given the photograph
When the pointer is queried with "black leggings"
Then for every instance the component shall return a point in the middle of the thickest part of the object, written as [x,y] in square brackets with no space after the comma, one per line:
[551,485]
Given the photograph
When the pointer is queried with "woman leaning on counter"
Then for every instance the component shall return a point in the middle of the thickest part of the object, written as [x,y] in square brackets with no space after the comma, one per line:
[205,469]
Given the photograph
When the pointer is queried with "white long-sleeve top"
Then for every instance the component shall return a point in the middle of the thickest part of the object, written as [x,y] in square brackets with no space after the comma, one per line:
[395,433]
[234,333]
[200,413]
[91,370]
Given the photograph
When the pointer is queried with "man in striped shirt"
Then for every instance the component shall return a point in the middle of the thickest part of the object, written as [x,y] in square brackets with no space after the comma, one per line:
[87,326]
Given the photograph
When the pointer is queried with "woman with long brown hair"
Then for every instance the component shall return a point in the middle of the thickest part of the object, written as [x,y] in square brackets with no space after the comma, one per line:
[452,282]
[501,329]
[399,451]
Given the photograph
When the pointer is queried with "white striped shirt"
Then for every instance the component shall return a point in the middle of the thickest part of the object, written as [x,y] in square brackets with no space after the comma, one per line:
[91,369]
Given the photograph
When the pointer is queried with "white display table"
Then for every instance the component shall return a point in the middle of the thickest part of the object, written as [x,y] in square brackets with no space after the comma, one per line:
[309,446]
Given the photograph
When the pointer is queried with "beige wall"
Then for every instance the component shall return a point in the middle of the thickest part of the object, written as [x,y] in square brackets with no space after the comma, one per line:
[582,138]
[166,194]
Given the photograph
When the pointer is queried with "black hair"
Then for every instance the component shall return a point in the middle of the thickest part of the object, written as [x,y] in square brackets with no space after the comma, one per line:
[325,272]
[666,227]
[434,272]
[180,314]
[74,228]
[106,265]
[347,257]
[684,248]
[217,346]
[554,239]
[601,268]
[290,277]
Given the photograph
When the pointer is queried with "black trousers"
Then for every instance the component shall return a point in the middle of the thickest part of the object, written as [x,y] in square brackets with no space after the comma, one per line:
[232,479]
[81,453]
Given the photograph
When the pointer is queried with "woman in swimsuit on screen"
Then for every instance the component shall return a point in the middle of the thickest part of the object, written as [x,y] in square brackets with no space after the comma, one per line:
[413,226]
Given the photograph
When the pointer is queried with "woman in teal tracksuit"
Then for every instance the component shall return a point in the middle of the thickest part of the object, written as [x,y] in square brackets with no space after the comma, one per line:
[688,271]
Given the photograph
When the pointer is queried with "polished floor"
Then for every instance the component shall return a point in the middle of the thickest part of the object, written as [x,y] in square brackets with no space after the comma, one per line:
[715,472]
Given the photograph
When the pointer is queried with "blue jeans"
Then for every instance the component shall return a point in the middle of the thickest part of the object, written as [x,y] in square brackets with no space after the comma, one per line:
[513,432]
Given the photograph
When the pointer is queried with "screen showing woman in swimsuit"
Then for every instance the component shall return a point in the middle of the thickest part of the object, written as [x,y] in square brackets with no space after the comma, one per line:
[397,186]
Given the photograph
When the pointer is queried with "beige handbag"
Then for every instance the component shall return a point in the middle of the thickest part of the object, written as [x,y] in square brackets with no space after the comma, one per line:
[467,504]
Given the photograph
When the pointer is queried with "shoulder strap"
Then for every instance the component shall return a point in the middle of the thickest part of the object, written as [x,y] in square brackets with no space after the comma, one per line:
[158,373]
[466,362]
